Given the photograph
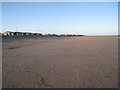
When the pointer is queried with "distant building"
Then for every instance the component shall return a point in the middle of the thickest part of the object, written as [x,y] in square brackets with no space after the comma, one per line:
[17,33]
[9,33]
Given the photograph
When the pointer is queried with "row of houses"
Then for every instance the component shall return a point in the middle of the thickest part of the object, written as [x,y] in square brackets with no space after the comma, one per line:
[9,33]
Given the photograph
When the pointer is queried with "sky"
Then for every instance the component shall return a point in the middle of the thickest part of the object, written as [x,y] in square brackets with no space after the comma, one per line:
[88,18]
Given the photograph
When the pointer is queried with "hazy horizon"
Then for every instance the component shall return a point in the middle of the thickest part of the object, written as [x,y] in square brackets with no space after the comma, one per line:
[86,18]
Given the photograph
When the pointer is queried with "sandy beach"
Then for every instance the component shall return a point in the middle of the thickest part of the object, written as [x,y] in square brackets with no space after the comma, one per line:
[60,62]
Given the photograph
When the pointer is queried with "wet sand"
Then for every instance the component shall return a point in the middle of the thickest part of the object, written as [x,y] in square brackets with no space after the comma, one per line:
[60,62]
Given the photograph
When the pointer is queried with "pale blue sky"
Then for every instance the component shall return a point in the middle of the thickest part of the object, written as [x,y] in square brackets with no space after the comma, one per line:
[89,18]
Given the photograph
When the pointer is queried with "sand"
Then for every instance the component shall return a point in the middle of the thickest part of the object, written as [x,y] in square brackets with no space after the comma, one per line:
[60,62]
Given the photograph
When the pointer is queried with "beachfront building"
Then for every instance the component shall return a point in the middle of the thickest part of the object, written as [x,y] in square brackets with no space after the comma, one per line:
[37,34]
[4,34]
[9,33]
[17,34]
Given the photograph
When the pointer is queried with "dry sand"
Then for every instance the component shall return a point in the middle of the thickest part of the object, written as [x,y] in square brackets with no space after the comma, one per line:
[60,62]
